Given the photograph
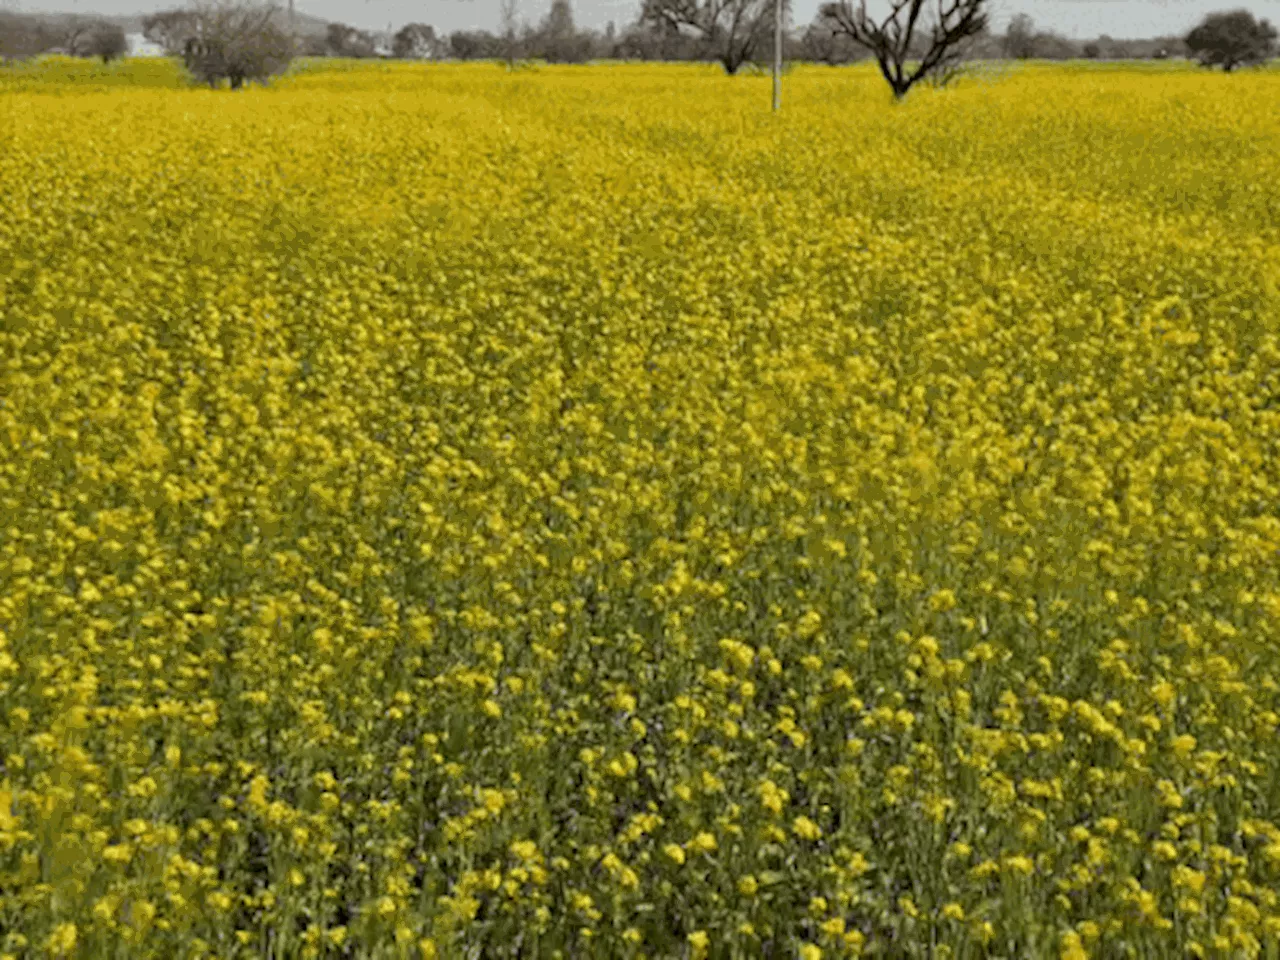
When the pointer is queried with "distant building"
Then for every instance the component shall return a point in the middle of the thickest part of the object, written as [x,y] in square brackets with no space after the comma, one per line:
[140,46]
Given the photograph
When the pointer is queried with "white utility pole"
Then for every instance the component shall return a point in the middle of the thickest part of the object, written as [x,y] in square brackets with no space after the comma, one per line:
[777,55]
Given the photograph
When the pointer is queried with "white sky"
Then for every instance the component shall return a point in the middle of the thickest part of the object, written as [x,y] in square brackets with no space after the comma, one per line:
[1079,19]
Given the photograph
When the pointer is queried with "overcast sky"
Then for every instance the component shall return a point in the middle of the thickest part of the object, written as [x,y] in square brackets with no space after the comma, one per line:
[1078,19]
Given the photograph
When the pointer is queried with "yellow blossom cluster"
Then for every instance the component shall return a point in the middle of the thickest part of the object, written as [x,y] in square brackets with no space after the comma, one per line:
[574,512]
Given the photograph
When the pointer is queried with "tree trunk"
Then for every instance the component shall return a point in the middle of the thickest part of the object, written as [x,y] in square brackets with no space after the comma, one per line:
[899,87]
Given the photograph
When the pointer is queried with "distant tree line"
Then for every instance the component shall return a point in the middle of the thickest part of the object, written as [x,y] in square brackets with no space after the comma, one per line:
[25,36]
[236,41]
[738,33]
[1022,41]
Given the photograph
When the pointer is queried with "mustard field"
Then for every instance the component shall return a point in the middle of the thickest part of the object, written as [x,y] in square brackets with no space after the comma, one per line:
[574,512]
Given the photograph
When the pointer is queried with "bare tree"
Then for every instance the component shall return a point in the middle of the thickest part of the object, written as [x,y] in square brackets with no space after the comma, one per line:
[78,36]
[732,30]
[510,41]
[22,37]
[75,32]
[233,40]
[893,40]
[105,41]
[558,40]
[1020,38]
[169,29]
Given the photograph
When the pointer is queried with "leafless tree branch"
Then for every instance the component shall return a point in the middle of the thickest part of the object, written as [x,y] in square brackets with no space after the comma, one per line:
[894,42]
[732,30]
